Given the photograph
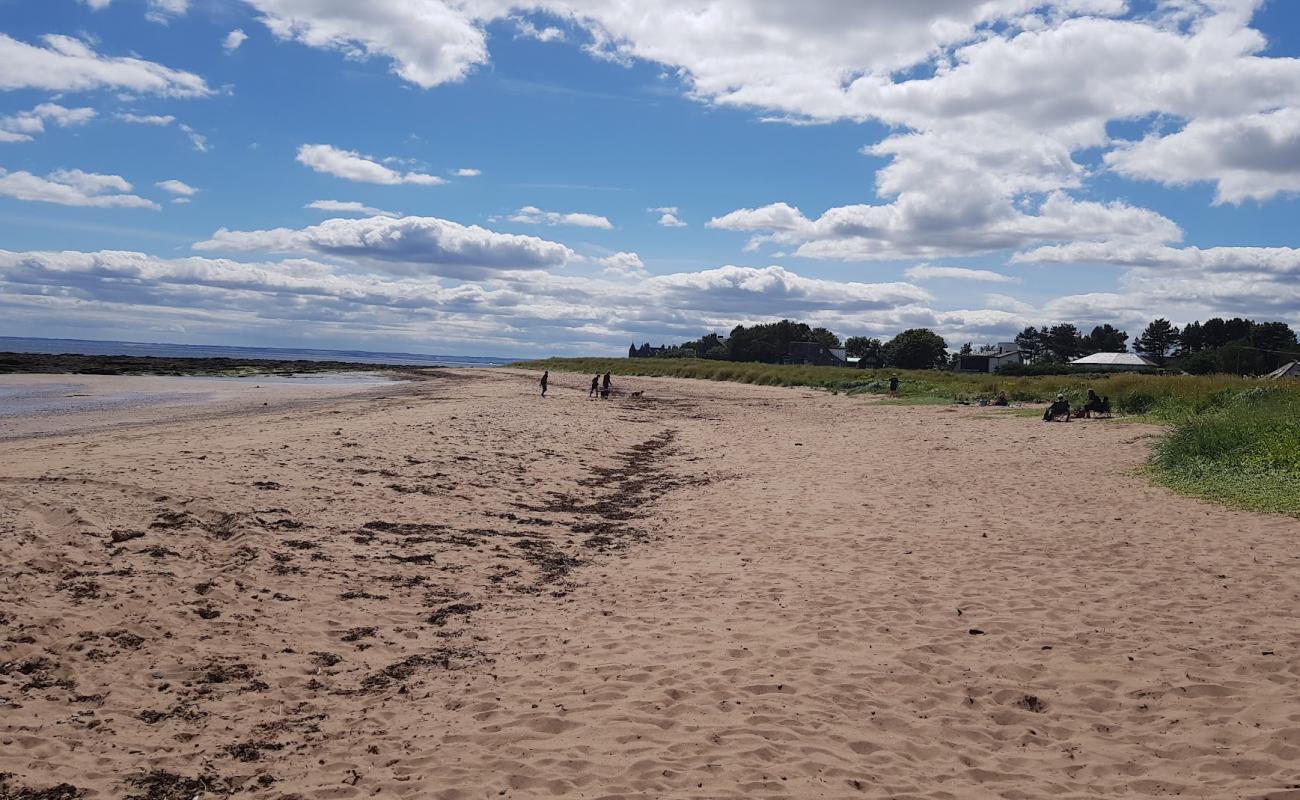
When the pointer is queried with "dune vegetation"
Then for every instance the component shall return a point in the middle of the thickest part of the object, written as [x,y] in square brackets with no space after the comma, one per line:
[1231,439]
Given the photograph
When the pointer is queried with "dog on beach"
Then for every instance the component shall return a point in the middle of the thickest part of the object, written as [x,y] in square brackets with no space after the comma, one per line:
[637,394]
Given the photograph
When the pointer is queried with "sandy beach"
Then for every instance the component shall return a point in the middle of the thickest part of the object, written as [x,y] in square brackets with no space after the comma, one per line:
[452,588]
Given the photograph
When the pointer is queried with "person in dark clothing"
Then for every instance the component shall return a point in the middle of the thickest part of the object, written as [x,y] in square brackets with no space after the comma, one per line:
[1095,404]
[1001,399]
[1057,410]
[604,386]
[893,386]
[595,385]
[546,376]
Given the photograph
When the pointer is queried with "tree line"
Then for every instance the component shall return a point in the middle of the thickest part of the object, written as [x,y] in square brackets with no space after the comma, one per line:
[1237,345]
[1240,346]
[770,342]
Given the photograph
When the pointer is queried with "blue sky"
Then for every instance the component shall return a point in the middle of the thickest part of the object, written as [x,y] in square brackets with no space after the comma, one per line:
[869,168]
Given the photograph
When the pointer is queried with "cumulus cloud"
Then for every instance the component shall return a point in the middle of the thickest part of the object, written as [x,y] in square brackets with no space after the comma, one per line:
[1184,283]
[428,42]
[668,216]
[406,245]
[985,102]
[72,188]
[756,290]
[532,215]
[177,188]
[925,226]
[926,272]
[467,172]
[351,165]
[233,40]
[514,311]
[349,207]
[66,64]
[623,264]
[21,127]
[1251,157]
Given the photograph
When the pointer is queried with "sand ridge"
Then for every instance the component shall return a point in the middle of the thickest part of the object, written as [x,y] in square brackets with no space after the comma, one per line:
[461,590]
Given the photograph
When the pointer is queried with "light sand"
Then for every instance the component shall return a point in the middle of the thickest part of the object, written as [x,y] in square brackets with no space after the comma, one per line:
[460,590]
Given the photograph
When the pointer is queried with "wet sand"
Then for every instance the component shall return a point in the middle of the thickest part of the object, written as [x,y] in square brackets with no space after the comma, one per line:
[33,403]
[456,589]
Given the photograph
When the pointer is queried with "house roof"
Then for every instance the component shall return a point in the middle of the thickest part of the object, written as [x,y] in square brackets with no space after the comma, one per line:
[1289,370]
[1114,360]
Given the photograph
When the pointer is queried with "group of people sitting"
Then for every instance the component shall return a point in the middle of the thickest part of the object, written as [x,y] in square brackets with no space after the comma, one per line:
[1060,411]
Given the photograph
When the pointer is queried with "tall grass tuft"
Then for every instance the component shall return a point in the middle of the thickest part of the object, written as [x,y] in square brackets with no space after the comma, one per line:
[1244,451]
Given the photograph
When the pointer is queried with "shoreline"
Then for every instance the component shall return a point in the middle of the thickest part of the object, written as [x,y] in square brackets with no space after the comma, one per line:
[461,589]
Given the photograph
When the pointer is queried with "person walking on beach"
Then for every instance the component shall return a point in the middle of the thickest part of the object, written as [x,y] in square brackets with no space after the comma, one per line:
[893,386]
[604,386]
[546,376]
[595,385]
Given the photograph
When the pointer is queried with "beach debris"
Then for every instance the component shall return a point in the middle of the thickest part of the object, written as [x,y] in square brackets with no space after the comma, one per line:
[975,632]
[441,616]
[62,791]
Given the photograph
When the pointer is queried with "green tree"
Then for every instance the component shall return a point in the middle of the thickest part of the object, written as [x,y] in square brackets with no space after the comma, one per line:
[1105,339]
[1063,342]
[916,348]
[862,347]
[1030,342]
[1157,340]
[825,338]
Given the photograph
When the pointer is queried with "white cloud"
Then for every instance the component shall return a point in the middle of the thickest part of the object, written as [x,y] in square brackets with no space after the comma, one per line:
[926,272]
[1273,260]
[349,207]
[351,165]
[163,11]
[72,188]
[511,310]
[197,140]
[532,215]
[234,39]
[525,29]
[22,126]
[1181,282]
[428,42]
[68,64]
[929,225]
[1249,157]
[407,245]
[668,216]
[177,187]
[97,4]
[467,172]
[623,264]
[159,120]
[985,100]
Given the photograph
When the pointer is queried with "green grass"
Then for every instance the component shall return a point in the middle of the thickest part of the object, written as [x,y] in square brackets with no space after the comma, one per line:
[1233,440]
[1244,453]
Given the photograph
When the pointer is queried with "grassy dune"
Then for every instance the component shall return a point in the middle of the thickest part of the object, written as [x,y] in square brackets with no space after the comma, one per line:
[1233,440]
